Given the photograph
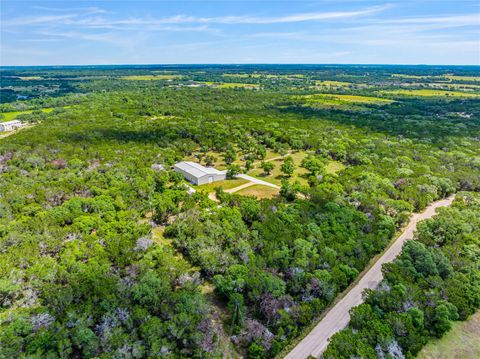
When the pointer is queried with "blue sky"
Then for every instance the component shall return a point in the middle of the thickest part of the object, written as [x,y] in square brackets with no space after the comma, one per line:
[164,32]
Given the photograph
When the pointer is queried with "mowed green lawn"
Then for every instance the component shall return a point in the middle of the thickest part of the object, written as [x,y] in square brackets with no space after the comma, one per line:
[461,342]
[227,184]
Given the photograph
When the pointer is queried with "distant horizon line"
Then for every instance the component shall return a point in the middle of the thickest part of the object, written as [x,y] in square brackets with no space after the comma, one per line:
[243,64]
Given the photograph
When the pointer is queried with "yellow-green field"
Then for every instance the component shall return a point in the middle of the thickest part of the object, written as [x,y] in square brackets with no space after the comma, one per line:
[8,116]
[342,101]
[259,191]
[227,184]
[29,78]
[451,85]
[430,93]
[462,78]
[333,167]
[461,342]
[439,77]
[150,77]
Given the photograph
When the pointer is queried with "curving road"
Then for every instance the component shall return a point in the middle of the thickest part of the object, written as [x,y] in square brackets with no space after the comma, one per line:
[338,316]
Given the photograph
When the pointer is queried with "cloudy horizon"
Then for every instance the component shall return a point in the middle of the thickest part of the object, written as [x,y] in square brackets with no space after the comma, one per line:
[234,32]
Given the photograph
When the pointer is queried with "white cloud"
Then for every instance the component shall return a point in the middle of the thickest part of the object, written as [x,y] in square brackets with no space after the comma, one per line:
[83,18]
[456,20]
[311,16]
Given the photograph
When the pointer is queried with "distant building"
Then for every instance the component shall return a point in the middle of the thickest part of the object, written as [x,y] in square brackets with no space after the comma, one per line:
[10,125]
[198,174]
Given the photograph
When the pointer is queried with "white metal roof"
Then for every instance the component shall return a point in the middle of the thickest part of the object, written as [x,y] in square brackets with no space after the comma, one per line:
[196,169]
[12,122]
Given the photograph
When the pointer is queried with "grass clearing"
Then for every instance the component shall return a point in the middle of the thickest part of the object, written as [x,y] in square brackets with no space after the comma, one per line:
[8,116]
[449,77]
[276,175]
[430,93]
[463,78]
[461,342]
[31,78]
[333,167]
[227,184]
[451,85]
[259,191]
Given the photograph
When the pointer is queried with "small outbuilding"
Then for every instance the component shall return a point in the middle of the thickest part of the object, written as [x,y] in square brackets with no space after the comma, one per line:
[10,125]
[198,174]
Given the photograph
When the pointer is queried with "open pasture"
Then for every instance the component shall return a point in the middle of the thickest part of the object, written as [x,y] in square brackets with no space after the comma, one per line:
[463,78]
[429,93]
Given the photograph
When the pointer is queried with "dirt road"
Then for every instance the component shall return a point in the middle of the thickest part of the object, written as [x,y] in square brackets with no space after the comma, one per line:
[338,316]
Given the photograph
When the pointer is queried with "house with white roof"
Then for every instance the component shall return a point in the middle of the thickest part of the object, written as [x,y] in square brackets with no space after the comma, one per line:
[198,174]
[10,125]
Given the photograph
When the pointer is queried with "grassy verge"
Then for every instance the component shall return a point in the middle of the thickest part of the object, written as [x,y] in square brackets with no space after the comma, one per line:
[461,342]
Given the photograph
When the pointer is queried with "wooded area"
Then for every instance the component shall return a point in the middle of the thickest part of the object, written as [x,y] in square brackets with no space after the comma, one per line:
[104,253]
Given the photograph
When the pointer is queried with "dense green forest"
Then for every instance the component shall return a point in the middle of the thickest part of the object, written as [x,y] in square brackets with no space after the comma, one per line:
[104,252]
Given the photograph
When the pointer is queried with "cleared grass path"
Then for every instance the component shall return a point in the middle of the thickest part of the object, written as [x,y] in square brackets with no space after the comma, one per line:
[338,316]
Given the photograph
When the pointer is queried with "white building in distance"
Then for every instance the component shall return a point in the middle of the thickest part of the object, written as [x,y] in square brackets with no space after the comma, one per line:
[10,125]
[198,174]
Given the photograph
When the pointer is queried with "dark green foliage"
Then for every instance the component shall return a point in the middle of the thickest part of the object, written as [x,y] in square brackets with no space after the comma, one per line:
[85,195]
[267,167]
[287,166]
